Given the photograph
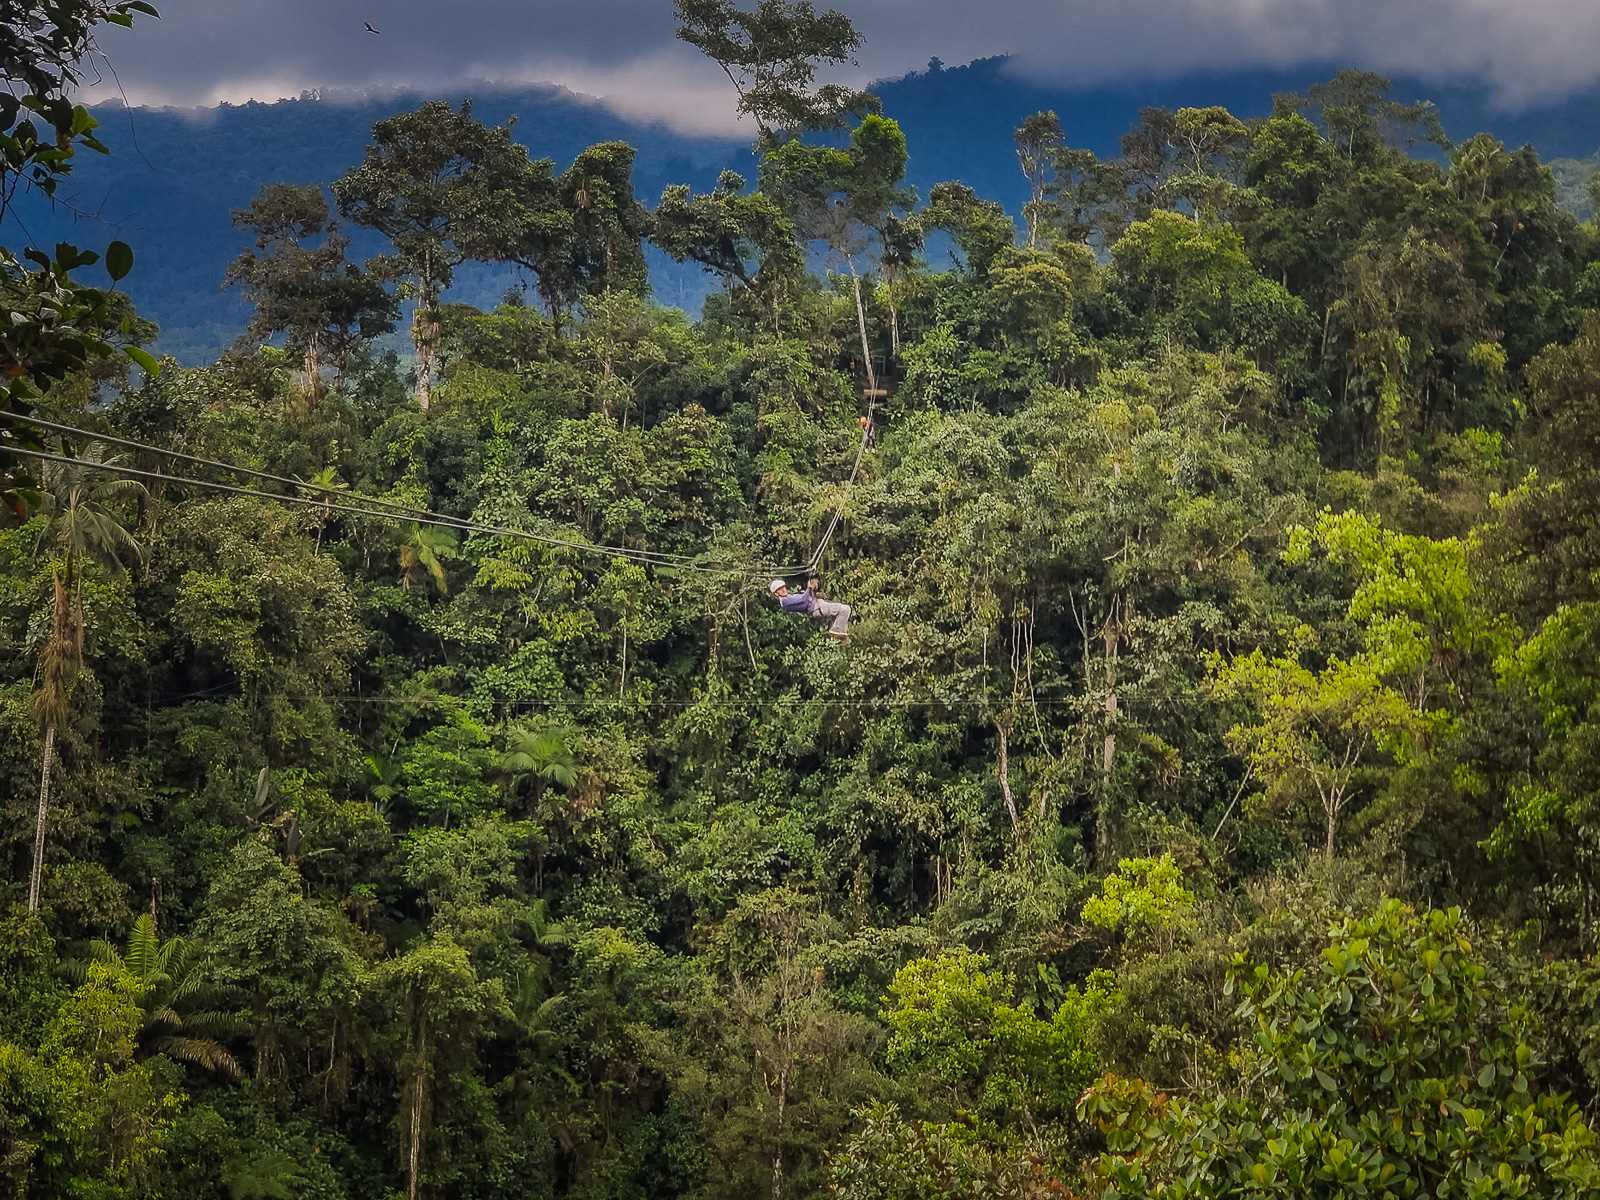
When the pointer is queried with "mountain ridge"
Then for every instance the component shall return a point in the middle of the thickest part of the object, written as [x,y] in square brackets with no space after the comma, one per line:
[177,172]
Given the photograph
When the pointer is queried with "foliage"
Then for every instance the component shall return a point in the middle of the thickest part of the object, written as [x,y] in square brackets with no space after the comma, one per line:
[952,1020]
[771,56]
[309,293]
[1144,892]
[1402,1064]
[893,1159]
[1220,540]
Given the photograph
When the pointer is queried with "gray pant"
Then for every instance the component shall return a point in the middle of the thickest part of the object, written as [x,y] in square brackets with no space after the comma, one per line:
[840,614]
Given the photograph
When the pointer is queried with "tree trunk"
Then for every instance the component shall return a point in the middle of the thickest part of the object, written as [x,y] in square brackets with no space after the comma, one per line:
[424,359]
[413,1178]
[37,878]
[777,1154]
[894,314]
[861,324]
[419,1083]
[313,369]
[1112,633]
[424,331]
[1003,736]
[1331,804]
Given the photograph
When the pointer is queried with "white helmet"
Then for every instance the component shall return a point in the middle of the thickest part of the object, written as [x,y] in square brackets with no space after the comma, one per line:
[776,586]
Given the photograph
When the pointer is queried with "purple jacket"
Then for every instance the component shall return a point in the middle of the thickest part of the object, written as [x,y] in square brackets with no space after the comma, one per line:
[800,602]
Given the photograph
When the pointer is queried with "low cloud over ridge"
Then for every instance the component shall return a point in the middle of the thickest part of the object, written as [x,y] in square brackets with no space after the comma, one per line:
[205,51]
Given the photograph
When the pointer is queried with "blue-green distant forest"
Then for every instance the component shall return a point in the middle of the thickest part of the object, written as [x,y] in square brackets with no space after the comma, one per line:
[978,643]
[178,173]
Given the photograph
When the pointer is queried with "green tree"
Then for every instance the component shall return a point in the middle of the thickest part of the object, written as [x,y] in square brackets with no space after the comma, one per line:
[1145,893]
[958,1027]
[542,756]
[608,223]
[436,1006]
[81,1116]
[1312,730]
[891,1158]
[724,229]
[771,56]
[581,233]
[980,228]
[326,306]
[83,527]
[774,1066]
[423,554]
[431,182]
[1360,120]
[1403,1063]
[845,197]
[182,1017]
[1039,139]
[295,964]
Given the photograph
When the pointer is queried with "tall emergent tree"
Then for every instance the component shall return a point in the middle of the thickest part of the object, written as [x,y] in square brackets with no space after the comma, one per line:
[83,524]
[1038,139]
[771,56]
[847,197]
[435,182]
[581,233]
[325,305]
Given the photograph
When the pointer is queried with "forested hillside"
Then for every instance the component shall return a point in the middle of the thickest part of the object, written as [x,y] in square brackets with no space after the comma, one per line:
[412,787]
[178,172]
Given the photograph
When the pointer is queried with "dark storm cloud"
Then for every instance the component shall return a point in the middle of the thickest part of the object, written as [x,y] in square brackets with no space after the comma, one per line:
[203,51]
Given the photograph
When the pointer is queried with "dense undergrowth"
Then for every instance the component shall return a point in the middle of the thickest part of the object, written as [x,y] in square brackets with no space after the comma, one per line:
[1203,804]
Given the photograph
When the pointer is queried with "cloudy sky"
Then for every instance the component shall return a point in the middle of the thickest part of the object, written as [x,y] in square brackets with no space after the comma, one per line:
[203,51]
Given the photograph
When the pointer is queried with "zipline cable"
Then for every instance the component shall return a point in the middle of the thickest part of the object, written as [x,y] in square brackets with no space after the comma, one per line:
[408,511]
[20,419]
[838,511]
[424,516]
[418,516]
[634,703]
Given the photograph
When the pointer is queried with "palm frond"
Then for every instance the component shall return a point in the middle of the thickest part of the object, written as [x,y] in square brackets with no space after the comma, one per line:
[201,1052]
[216,1023]
[116,490]
[163,1014]
[145,958]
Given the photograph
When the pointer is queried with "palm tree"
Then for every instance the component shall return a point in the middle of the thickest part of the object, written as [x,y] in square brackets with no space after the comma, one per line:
[423,555]
[262,1174]
[81,524]
[532,1002]
[324,485]
[181,1015]
[383,782]
[542,756]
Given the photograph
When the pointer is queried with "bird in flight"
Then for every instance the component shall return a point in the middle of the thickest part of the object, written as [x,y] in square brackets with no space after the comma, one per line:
[370,29]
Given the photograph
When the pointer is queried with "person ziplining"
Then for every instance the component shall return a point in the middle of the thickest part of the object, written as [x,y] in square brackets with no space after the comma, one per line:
[808,603]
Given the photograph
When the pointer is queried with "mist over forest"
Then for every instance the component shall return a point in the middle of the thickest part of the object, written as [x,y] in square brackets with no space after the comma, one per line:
[977,642]
[178,173]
